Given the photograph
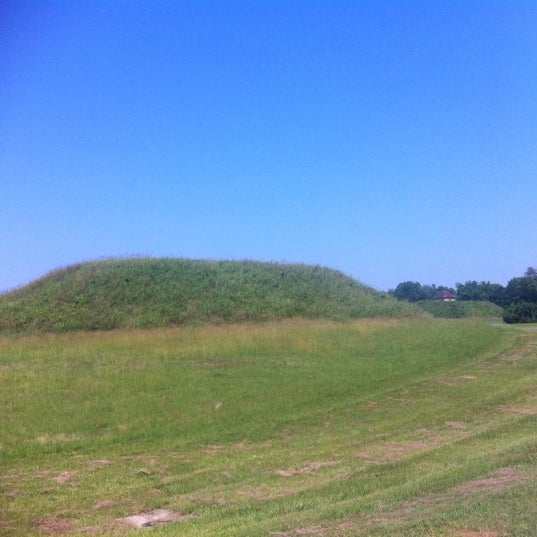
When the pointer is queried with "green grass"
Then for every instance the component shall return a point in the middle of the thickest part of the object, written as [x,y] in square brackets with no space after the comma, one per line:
[364,428]
[150,293]
[461,308]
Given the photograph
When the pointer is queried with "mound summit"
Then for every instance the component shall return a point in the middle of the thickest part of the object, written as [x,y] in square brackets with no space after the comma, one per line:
[158,292]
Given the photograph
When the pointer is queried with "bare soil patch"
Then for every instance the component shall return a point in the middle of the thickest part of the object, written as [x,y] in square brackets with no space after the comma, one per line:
[158,517]
[66,478]
[54,525]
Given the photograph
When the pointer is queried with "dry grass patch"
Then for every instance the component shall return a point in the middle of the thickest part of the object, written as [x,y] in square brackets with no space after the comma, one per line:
[500,480]
[54,525]
[478,533]
[522,411]
[391,451]
[310,469]
[307,530]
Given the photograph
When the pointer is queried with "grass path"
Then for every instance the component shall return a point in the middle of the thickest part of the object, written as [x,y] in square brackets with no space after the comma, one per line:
[371,428]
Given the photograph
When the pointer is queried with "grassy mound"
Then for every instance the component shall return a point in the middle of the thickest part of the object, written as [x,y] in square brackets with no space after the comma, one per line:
[461,308]
[148,292]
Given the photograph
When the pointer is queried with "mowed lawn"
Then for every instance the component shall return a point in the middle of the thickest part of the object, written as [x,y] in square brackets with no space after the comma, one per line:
[366,428]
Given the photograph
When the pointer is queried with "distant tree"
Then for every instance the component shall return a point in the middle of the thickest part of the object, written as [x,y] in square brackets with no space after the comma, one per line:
[521,290]
[430,290]
[521,298]
[411,291]
[433,290]
[531,272]
[473,290]
[415,291]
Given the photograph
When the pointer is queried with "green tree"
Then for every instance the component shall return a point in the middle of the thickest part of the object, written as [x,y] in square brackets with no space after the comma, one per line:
[531,272]
[473,290]
[521,290]
[521,298]
[433,290]
[411,291]
[521,312]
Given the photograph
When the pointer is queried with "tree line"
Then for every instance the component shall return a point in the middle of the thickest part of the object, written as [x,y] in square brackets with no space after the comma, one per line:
[518,297]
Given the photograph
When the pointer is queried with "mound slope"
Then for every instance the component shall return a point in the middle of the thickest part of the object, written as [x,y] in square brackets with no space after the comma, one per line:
[461,308]
[150,292]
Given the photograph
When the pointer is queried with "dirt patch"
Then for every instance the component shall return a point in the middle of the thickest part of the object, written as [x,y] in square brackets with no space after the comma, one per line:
[54,525]
[472,533]
[158,517]
[310,469]
[512,358]
[56,439]
[66,478]
[104,504]
[213,449]
[456,424]
[145,457]
[522,411]
[370,406]
[500,480]
[391,451]
[450,382]
[520,354]
[406,511]
[399,400]
[6,528]
[98,463]
[309,530]
[445,382]
[43,474]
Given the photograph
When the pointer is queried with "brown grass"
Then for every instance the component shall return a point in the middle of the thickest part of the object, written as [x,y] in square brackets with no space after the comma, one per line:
[500,480]
[309,469]
[54,525]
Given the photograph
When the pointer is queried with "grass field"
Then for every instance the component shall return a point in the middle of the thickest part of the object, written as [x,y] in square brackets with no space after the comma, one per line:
[364,428]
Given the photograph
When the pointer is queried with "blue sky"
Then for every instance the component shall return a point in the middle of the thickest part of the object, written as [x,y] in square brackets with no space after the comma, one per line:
[392,140]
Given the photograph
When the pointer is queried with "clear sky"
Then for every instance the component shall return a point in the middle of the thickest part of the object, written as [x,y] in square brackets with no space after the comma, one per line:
[392,140]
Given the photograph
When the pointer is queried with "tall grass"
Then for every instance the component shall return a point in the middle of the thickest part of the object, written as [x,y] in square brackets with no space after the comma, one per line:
[362,428]
[149,293]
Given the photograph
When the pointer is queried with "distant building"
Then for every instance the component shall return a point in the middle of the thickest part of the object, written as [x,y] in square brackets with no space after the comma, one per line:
[446,296]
